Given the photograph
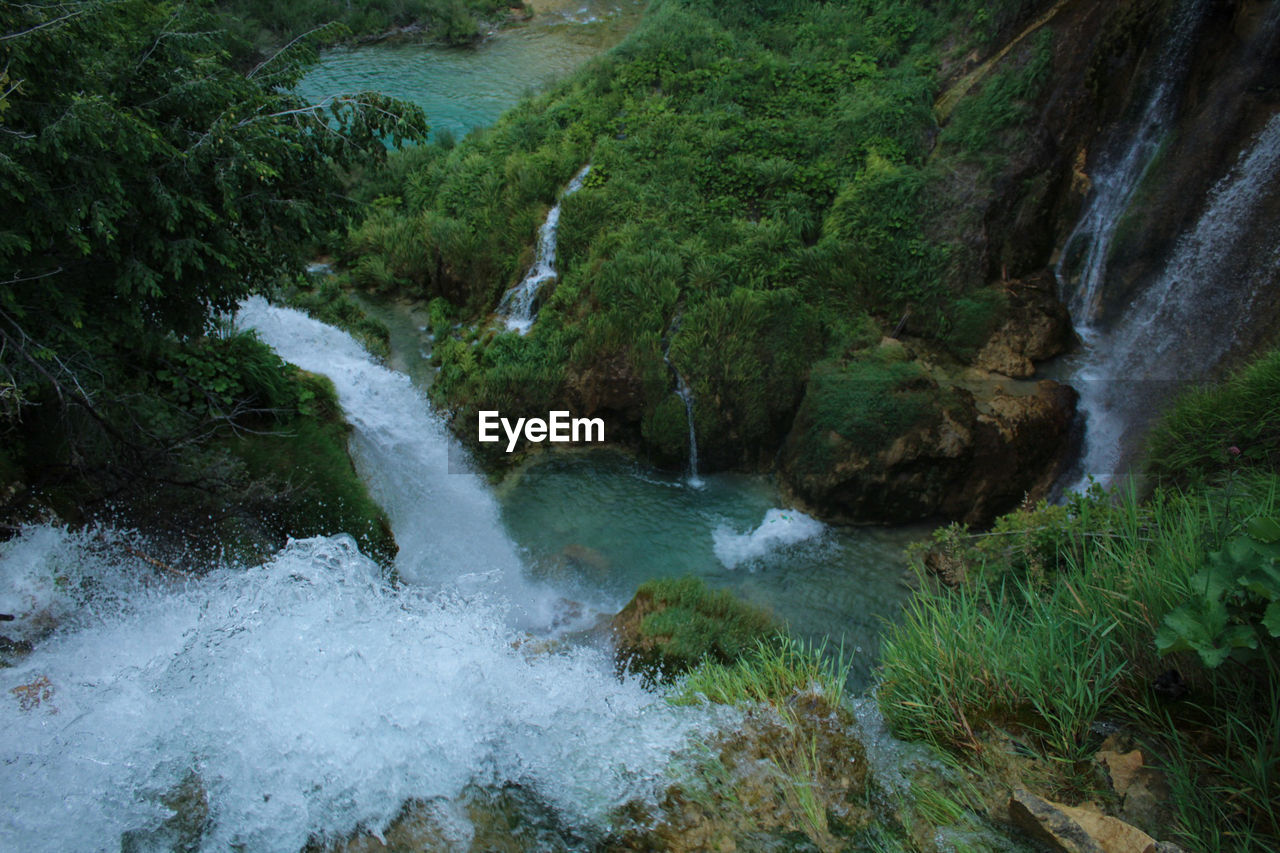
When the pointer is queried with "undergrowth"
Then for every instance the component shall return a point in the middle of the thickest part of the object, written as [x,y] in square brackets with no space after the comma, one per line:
[1051,629]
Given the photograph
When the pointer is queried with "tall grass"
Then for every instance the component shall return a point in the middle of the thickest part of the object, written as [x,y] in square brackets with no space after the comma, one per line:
[1045,649]
[1211,432]
[775,670]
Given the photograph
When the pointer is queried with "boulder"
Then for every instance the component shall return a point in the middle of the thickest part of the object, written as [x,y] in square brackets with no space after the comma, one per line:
[1037,327]
[672,624]
[1071,829]
[1143,791]
[981,452]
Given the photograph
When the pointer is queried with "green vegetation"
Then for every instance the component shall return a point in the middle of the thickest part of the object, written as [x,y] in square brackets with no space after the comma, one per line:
[303,464]
[673,624]
[771,673]
[759,180]
[327,300]
[1160,613]
[150,185]
[267,25]
[1213,431]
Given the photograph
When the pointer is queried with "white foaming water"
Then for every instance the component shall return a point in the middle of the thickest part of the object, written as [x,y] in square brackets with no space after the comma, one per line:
[1182,326]
[1117,179]
[308,696]
[781,528]
[518,305]
[444,518]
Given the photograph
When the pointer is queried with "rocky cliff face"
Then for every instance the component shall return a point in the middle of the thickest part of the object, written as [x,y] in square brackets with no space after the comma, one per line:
[1219,63]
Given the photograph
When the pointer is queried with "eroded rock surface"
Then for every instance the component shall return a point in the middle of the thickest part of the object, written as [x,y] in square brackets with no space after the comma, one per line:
[973,458]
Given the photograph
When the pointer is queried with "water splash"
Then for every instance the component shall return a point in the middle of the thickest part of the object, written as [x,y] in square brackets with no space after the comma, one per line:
[307,696]
[781,528]
[519,305]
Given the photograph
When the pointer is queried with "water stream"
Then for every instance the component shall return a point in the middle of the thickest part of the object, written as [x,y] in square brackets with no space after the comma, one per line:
[1185,322]
[686,396]
[519,305]
[307,696]
[1134,358]
[1082,269]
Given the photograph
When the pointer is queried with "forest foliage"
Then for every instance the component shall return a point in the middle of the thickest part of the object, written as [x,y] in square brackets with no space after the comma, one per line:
[151,183]
[265,26]
[759,199]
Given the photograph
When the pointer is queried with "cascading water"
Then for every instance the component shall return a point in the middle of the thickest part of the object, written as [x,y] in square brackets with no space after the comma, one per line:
[1183,324]
[1118,177]
[519,305]
[686,395]
[682,388]
[308,696]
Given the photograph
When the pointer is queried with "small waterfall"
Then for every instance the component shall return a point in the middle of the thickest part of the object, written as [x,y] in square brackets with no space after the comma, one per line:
[686,395]
[1184,323]
[519,305]
[297,700]
[682,389]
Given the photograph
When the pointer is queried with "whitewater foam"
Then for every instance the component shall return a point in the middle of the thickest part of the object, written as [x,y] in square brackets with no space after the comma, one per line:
[781,528]
[307,696]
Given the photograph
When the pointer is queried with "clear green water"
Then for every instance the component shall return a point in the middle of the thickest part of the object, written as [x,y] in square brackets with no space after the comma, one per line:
[464,88]
[597,523]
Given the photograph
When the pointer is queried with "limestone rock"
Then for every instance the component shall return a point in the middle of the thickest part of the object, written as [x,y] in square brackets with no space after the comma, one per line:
[1038,327]
[1071,829]
[982,453]
[1144,793]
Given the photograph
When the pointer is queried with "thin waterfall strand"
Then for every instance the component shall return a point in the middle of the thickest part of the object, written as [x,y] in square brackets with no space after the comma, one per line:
[519,305]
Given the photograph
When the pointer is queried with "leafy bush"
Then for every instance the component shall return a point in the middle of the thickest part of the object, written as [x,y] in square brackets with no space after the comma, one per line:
[1236,608]
[757,177]
[326,300]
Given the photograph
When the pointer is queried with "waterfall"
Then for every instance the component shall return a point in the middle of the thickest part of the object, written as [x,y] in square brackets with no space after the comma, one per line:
[519,305]
[305,697]
[1116,180]
[682,388]
[1184,323]
[686,395]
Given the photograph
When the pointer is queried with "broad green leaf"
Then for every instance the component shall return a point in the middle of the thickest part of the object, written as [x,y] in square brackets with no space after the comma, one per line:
[1264,529]
[1271,619]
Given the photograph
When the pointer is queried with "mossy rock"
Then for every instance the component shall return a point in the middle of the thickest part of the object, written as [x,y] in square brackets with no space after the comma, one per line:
[318,492]
[673,624]
[777,781]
